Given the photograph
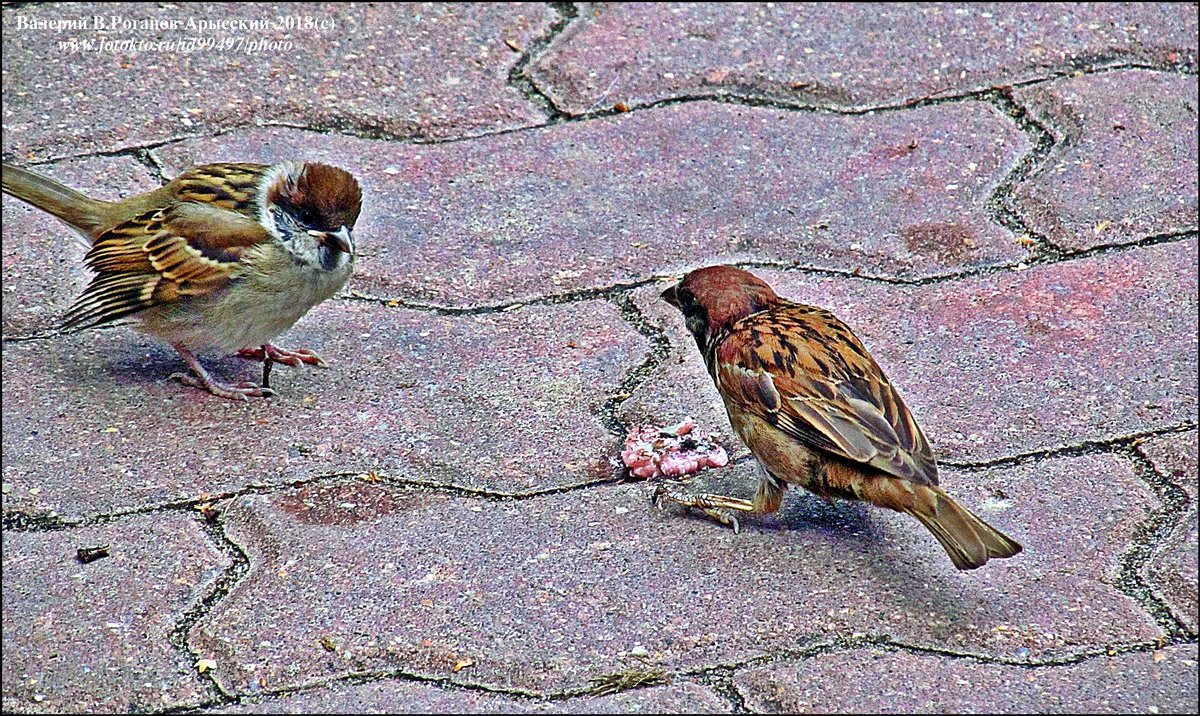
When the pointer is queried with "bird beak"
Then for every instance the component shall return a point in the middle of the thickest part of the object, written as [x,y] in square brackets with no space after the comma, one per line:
[671,296]
[341,239]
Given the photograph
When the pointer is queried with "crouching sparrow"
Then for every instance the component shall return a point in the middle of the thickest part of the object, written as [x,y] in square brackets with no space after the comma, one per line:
[224,257]
[817,411]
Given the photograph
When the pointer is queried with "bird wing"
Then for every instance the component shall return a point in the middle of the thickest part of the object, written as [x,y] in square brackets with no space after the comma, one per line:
[803,370]
[230,186]
[162,256]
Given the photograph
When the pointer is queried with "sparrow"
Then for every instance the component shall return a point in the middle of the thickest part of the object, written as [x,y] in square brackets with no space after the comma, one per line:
[817,411]
[224,257]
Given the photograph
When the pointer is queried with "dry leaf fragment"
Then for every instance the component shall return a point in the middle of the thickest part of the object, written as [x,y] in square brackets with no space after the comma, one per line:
[612,683]
[209,512]
[91,554]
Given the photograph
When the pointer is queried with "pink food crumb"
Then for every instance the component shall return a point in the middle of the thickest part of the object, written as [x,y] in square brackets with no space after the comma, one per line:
[673,451]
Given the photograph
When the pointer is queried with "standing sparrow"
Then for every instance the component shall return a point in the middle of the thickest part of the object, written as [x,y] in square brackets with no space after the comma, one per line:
[817,411]
[225,257]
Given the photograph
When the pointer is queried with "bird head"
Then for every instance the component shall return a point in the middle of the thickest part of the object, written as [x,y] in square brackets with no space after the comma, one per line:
[312,208]
[713,299]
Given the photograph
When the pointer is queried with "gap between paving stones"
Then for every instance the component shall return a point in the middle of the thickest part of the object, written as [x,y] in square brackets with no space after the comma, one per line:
[719,676]
[999,205]
[220,588]
[755,97]
[724,672]
[1154,530]
[660,348]
[364,130]
[1042,144]
[355,679]
[567,13]
[619,291]
[146,158]
[25,522]
[1087,447]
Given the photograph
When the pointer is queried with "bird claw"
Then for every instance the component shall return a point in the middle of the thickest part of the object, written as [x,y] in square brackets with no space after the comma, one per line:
[725,517]
[294,358]
[240,391]
[663,493]
[657,498]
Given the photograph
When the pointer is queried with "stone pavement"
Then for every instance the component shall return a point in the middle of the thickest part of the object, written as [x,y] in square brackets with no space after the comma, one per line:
[1001,199]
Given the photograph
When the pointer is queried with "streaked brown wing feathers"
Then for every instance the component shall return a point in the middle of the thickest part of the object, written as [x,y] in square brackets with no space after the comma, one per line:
[831,393]
[229,186]
[160,257]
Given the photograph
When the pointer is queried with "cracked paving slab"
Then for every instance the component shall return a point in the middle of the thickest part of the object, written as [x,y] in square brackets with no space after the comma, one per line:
[873,680]
[428,70]
[42,257]
[1172,570]
[544,594]
[507,402]
[1124,162]
[997,365]
[391,696]
[848,55]
[586,205]
[97,636]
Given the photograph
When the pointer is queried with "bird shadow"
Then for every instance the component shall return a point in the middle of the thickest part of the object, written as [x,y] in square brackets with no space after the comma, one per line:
[845,534]
[863,531]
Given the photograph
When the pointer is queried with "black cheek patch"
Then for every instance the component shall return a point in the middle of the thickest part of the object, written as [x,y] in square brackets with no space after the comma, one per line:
[329,257]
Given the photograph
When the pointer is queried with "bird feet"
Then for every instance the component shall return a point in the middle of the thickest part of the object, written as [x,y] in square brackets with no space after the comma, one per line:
[202,380]
[283,355]
[718,507]
[233,391]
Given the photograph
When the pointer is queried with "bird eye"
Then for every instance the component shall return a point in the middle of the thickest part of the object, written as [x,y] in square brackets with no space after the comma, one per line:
[306,215]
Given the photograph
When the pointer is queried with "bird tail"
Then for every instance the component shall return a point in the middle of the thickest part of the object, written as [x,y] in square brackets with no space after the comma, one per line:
[82,213]
[968,540]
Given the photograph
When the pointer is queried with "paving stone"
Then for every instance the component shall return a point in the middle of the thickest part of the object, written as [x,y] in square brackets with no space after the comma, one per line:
[427,70]
[591,204]
[506,401]
[993,365]
[879,681]
[544,594]
[96,637]
[409,697]
[1173,570]
[1124,164]
[849,55]
[42,258]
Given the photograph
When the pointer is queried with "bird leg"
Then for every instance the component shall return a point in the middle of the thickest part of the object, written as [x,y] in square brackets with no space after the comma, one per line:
[283,355]
[717,507]
[240,391]
[766,500]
